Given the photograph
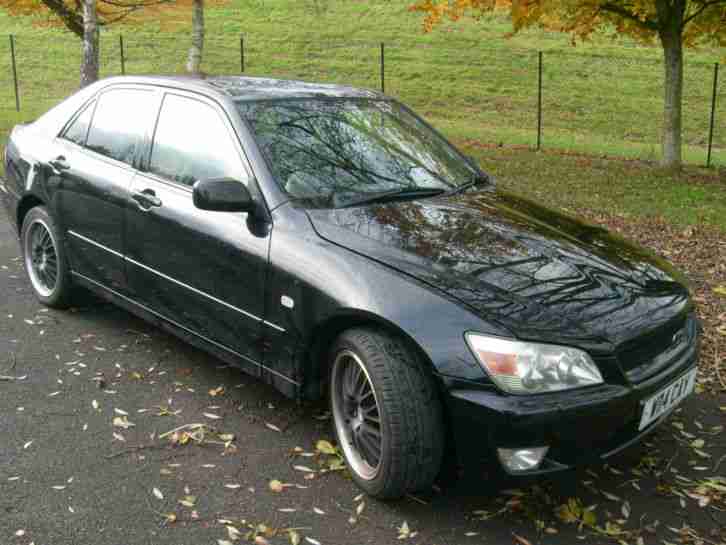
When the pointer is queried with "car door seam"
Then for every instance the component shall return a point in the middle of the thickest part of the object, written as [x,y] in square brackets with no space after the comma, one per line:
[182,284]
[176,324]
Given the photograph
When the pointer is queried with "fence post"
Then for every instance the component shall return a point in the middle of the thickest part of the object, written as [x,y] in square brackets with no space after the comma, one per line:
[383,68]
[15,72]
[539,101]
[123,57]
[713,114]
[242,53]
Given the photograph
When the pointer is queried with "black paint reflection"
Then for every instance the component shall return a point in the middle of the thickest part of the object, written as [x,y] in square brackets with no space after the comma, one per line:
[531,270]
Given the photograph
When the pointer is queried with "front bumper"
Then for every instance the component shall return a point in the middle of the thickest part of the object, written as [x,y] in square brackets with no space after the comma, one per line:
[580,427]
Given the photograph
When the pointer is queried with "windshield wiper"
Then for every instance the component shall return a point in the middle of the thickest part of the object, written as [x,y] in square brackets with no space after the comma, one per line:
[476,180]
[394,194]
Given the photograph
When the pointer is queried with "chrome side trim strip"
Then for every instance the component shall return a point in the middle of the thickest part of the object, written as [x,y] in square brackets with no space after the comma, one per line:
[274,326]
[190,288]
[210,341]
[177,282]
[96,244]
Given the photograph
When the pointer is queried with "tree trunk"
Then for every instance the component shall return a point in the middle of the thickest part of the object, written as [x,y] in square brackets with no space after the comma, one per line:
[89,63]
[672,40]
[195,51]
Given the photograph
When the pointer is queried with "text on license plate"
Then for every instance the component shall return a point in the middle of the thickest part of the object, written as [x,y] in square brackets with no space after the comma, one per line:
[667,398]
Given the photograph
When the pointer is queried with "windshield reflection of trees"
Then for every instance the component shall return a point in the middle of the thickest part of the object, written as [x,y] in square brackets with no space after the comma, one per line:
[319,149]
[493,254]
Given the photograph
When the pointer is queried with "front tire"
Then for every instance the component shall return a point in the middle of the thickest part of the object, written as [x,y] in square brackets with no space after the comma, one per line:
[387,413]
[44,258]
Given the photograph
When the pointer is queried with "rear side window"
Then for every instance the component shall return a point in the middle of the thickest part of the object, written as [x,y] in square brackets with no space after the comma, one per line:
[192,143]
[119,123]
[78,130]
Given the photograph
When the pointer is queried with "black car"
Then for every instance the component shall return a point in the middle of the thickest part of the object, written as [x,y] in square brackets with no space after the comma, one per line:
[329,241]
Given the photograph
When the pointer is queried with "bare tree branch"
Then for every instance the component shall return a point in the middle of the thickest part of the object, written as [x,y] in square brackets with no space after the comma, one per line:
[72,19]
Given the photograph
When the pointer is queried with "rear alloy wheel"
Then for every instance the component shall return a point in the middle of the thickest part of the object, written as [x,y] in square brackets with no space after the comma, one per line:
[44,258]
[386,412]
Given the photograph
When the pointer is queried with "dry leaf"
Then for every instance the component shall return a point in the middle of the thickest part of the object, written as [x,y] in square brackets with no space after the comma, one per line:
[233,533]
[122,422]
[521,540]
[325,447]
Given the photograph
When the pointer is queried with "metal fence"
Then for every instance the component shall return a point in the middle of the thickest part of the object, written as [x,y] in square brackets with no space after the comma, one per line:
[566,100]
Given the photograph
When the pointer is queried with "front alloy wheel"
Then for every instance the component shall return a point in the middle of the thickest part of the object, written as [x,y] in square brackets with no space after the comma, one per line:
[386,413]
[356,414]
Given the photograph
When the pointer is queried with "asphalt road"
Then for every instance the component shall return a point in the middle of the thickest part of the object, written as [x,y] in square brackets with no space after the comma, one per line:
[65,478]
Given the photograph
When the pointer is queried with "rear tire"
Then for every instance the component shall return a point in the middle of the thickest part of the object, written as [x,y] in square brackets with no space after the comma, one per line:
[45,259]
[387,413]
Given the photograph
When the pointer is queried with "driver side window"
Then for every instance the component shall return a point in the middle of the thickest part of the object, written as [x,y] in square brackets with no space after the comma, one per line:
[192,143]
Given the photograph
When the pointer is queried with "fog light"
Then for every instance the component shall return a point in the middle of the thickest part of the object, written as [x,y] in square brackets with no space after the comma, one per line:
[516,460]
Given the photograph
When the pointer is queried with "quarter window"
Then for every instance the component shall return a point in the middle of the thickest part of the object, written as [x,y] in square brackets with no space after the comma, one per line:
[78,130]
[119,123]
[192,143]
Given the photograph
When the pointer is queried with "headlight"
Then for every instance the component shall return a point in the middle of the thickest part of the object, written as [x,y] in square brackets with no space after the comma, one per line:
[532,368]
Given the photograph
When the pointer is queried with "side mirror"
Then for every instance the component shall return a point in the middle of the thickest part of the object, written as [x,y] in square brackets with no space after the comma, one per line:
[222,195]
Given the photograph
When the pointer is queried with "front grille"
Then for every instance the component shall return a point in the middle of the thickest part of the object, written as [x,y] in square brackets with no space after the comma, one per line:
[644,356]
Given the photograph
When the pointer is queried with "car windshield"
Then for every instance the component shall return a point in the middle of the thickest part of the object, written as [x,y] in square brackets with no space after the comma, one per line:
[336,152]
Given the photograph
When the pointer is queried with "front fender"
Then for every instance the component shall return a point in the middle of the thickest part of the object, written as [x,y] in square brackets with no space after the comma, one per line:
[317,289]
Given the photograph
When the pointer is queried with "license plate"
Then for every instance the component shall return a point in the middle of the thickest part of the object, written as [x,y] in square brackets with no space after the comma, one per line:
[667,398]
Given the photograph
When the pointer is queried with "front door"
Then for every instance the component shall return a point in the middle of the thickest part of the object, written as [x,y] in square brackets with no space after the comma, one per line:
[204,271]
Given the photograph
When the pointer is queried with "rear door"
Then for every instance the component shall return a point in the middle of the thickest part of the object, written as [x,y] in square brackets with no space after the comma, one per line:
[203,270]
[94,172]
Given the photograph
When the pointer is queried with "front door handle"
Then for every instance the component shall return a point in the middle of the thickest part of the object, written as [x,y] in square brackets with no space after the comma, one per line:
[59,164]
[146,199]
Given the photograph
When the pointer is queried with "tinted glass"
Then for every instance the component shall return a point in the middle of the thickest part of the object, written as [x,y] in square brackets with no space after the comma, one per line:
[192,143]
[121,117]
[79,128]
[326,151]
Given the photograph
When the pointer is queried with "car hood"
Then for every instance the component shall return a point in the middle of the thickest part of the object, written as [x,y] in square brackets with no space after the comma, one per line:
[538,273]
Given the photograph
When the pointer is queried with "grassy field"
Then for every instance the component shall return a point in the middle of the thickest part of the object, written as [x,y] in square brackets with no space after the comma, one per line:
[602,98]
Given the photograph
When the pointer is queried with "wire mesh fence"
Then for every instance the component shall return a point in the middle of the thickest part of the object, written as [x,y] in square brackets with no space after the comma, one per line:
[567,100]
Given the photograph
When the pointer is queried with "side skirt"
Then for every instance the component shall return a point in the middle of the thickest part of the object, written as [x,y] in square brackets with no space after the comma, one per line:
[285,385]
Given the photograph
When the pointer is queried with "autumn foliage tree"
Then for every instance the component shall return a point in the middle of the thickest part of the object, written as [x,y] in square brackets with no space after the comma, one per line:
[84,17]
[675,24]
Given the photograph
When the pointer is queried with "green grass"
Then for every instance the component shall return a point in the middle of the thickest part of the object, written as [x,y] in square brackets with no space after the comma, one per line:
[602,98]
[628,188]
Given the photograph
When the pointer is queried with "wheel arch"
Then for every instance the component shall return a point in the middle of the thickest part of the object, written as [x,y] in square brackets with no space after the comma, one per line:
[26,204]
[327,331]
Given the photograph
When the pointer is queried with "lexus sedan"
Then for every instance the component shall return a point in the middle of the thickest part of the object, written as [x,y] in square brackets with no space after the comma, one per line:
[329,241]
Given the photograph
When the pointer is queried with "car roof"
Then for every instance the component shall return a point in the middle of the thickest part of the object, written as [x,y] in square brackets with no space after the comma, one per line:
[240,88]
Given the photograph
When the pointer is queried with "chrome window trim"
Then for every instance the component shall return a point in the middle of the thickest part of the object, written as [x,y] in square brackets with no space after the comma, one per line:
[176,324]
[175,281]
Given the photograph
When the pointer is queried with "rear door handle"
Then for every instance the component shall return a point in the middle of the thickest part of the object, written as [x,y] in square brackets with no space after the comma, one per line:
[59,164]
[146,199]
